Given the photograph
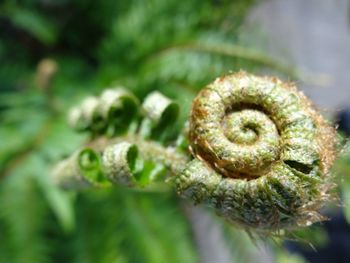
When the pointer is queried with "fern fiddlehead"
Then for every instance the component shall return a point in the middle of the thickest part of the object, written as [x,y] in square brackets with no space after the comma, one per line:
[261,152]
[129,143]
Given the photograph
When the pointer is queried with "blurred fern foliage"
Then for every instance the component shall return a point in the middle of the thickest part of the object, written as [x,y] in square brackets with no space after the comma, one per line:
[172,46]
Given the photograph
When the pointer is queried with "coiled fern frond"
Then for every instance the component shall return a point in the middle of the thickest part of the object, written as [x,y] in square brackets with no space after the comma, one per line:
[262,153]
[255,149]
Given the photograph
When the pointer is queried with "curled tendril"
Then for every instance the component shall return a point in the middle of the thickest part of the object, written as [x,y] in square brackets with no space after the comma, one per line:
[119,163]
[81,170]
[112,112]
[160,112]
[262,153]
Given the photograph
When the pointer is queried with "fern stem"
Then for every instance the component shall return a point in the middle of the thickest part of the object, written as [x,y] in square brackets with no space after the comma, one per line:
[172,159]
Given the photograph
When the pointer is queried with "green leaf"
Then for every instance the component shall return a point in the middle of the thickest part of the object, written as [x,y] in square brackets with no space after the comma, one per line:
[158,230]
[31,21]
[23,211]
[61,203]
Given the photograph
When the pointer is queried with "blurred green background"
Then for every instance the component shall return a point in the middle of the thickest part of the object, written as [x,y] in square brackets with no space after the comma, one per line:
[55,52]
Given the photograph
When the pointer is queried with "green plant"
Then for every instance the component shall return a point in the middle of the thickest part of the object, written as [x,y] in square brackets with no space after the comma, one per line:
[262,153]
[175,48]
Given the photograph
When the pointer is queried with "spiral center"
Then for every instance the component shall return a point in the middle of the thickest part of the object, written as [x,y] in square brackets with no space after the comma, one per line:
[253,140]
[243,126]
[239,130]
[247,127]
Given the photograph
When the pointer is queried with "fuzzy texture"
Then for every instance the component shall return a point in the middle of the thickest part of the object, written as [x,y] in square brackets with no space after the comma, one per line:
[262,153]
[69,173]
[118,162]
[112,112]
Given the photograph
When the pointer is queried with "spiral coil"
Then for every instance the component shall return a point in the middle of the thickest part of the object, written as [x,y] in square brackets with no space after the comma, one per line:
[262,153]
